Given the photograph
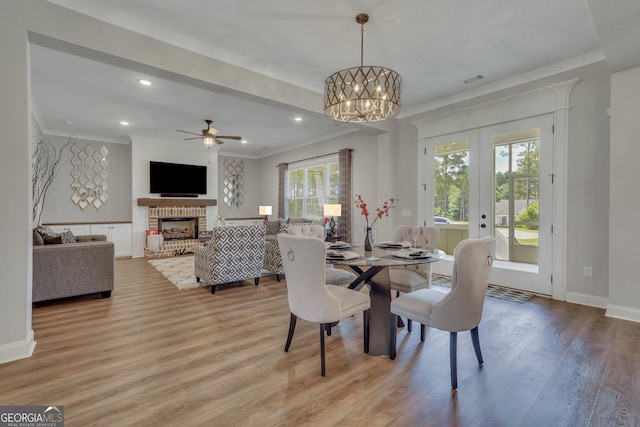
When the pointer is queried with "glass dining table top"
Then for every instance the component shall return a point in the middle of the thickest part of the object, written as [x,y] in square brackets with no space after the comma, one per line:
[381,257]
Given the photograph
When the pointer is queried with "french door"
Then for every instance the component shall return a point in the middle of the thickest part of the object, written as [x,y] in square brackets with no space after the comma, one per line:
[495,181]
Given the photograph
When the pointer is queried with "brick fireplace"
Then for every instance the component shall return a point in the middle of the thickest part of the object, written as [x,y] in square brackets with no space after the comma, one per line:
[179,220]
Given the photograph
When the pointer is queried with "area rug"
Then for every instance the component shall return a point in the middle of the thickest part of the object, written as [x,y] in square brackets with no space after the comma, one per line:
[178,270]
[492,290]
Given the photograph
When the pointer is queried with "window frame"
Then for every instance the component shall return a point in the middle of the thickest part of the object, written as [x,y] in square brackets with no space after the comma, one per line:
[327,162]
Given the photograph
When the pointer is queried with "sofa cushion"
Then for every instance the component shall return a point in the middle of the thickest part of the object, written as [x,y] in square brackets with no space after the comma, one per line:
[91,238]
[52,240]
[37,238]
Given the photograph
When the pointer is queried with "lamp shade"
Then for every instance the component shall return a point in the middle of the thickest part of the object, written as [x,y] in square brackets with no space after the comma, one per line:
[333,209]
[264,210]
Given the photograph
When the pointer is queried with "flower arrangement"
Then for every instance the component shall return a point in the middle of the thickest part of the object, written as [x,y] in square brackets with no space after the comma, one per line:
[380,212]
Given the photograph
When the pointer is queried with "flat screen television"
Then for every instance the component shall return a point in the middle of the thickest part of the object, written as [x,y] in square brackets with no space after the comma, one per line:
[177,180]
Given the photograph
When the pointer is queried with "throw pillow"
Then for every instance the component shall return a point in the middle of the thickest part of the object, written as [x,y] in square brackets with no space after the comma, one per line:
[284,224]
[37,238]
[273,227]
[52,240]
[67,237]
[45,231]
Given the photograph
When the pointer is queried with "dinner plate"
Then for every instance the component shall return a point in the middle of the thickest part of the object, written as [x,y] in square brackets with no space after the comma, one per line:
[423,255]
[345,246]
[390,246]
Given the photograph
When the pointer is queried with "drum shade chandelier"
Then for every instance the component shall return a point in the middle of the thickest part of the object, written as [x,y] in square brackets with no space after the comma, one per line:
[362,94]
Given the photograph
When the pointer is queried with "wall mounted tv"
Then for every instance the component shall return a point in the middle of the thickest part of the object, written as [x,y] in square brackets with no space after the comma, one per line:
[177,180]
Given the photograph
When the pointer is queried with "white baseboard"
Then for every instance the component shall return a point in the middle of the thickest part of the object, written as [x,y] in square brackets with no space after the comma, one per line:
[624,313]
[586,299]
[18,350]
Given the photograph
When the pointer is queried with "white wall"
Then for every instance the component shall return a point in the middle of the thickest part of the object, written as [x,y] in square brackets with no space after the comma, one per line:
[142,152]
[624,233]
[252,197]
[16,335]
[588,187]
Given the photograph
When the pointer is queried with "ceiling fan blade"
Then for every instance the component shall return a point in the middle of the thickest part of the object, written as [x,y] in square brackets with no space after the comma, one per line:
[237,138]
[218,141]
[184,131]
[188,139]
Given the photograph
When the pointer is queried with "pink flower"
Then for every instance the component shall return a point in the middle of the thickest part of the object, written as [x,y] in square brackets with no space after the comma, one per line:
[380,212]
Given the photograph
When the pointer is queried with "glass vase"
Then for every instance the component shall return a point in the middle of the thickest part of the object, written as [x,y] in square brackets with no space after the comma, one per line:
[367,242]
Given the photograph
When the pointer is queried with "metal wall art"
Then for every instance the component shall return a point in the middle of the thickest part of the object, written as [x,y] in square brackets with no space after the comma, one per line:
[233,183]
[89,173]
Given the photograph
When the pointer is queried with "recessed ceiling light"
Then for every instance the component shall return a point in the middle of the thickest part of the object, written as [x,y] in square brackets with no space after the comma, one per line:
[244,141]
[298,119]
[144,82]
[124,123]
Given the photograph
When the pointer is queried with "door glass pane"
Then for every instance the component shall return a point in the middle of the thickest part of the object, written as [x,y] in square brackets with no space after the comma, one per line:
[517,187]
[451,193]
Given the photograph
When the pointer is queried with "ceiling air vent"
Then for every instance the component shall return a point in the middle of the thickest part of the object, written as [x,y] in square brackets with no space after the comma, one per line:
[473,79]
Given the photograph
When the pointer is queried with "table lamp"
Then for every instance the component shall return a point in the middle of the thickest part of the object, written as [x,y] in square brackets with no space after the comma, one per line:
[265,211]
[332,210]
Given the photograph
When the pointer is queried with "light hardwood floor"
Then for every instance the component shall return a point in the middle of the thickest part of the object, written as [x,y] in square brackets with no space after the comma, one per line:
[153,355]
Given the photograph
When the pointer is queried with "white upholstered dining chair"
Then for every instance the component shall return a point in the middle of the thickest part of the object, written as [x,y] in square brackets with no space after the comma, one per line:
[309,296]
[413,277]
[273,258]
[456,311]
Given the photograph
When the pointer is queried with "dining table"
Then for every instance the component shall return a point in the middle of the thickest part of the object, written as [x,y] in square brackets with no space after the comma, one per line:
[372,268]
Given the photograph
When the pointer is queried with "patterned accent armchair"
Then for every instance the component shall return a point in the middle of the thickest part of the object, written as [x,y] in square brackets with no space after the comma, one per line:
[234,254]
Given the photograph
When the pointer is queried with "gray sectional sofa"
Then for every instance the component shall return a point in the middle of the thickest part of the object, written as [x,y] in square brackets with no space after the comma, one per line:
[72,269]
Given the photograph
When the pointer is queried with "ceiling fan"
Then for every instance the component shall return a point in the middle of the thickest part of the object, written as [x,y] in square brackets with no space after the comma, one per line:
[209,136]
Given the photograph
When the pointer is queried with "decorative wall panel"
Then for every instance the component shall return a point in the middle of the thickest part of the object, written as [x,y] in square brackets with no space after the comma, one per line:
[233,183]
[89,173]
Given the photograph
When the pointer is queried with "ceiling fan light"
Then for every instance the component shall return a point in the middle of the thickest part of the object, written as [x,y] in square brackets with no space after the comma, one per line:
[208,141]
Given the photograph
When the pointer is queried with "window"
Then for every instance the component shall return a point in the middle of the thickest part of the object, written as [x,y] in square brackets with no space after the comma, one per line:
[311,185]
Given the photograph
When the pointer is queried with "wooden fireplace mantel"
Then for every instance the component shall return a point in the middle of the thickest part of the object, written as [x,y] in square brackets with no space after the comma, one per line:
[166,201]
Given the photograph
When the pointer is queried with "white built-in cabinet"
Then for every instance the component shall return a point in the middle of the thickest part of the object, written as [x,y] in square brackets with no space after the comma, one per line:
[76,229]
[118,233]
[242,221]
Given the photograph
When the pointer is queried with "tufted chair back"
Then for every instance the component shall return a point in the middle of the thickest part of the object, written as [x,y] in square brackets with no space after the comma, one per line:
[428,239]
[313,230]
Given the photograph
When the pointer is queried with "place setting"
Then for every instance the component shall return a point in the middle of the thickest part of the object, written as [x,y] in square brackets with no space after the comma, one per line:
[412,254]
[337,246]
[388,244]
[341,255]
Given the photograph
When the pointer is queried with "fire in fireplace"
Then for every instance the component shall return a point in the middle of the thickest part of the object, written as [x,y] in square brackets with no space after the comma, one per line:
[178,228]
